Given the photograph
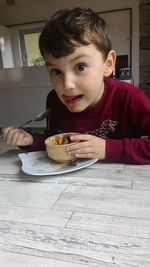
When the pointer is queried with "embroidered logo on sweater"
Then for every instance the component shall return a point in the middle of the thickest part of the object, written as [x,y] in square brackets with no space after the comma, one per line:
[107,127]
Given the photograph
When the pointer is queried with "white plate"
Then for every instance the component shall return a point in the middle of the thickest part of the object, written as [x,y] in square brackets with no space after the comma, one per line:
[37,163]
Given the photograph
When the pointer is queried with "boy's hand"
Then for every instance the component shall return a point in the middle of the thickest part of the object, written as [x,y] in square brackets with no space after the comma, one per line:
[90,146]
[16,137]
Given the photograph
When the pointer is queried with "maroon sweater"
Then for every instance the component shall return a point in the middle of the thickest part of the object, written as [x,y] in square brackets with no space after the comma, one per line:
[122,117]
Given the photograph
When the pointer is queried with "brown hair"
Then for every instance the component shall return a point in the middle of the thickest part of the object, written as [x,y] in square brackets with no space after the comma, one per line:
[71,27]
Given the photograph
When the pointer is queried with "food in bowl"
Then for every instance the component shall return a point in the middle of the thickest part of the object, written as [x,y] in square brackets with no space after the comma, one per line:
[56,147]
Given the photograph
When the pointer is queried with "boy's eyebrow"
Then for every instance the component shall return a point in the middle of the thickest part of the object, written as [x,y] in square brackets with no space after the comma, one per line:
[73,59]
[78,57]
[48,63]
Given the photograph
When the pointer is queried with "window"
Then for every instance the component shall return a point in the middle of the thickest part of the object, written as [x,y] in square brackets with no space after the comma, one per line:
[1,60]
[29,47]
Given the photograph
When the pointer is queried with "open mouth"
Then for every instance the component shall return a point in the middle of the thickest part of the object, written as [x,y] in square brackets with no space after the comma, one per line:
[72,99]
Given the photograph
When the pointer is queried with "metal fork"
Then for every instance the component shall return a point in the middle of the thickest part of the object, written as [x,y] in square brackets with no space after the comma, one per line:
[41,116]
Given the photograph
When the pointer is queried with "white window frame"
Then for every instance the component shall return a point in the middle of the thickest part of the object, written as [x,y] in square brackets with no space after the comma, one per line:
[22,33]
[18,43]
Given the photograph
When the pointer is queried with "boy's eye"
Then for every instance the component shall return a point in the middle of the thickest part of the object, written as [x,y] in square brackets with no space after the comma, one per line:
[80,67]
[55,72]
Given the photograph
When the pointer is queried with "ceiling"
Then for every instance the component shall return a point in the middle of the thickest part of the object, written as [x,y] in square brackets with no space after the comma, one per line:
[4,3]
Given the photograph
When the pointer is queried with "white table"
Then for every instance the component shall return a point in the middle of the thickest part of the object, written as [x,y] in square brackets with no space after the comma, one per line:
[98,216]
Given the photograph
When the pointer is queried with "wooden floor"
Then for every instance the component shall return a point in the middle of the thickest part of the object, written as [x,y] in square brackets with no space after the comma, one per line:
[98,216]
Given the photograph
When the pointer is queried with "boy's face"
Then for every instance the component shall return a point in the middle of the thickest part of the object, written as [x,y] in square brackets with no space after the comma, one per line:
[78,77]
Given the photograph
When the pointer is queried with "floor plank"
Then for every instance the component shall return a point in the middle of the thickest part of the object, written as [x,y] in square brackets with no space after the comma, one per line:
[35,215]
[83,177]
[29,194]
[19,260]
[91,248]
[10,163]
[141,184]
[121,202]
[110,224]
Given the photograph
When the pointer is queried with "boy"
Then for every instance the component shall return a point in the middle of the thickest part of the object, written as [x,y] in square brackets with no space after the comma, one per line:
[111,116]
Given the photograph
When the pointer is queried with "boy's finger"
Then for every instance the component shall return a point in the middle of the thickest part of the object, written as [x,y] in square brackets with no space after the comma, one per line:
[80,137]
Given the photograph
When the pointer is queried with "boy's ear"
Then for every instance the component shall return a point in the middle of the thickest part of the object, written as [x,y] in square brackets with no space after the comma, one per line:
[110,63]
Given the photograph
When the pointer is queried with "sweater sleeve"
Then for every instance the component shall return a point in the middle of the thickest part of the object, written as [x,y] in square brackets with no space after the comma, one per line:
[38,143]
[135,147]
[132,151]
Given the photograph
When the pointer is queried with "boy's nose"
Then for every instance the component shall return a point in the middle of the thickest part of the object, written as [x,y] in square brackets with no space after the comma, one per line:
[68,82]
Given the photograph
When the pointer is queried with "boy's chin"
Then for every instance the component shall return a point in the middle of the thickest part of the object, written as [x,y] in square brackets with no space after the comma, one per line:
[75,109]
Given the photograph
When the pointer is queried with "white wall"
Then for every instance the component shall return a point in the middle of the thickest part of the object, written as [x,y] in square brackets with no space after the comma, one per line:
[6,49]
[31,81]
[23,95]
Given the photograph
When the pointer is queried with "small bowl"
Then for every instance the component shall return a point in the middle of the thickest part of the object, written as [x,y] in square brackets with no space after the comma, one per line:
[56,147]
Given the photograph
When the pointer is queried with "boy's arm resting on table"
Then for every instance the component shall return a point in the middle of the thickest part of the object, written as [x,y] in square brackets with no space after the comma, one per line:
[38,143]
[132,151]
